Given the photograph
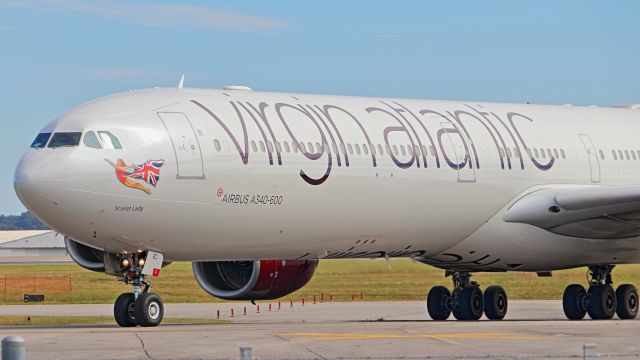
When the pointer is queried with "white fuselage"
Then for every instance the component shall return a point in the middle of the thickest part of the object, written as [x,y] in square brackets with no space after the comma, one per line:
[235,183]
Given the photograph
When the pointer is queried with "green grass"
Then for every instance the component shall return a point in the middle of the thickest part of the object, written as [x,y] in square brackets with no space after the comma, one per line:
[342,278]
[15,320]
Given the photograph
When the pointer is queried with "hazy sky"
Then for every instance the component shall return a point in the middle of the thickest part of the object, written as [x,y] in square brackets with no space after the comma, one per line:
[55,54]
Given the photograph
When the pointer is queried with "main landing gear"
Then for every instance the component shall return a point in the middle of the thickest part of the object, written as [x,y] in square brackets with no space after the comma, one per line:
[467,302]
[139,307]
[600,301]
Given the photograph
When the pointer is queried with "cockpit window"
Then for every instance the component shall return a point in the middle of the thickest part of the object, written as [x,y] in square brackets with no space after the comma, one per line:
[65,139]
[91,140]
[41,140]
[109,140]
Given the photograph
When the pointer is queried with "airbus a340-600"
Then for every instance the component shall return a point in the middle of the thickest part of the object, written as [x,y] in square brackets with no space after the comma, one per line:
[255,188]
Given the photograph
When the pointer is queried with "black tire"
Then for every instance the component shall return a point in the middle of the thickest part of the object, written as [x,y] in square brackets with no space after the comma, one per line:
[573,302]
[603,302]
[149,310]
[439,303]
[627,297]
[470,303]
[495,302]
[123,310]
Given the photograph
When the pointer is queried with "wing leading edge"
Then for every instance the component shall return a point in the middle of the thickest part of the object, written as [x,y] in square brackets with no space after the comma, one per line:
[602,212]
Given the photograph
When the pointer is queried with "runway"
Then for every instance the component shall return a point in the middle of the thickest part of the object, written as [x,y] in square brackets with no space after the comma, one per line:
[532,329]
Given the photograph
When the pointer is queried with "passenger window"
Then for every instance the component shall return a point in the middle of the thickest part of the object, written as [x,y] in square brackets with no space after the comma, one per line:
[395,150]
[633,155]
[562,153]
[262,148]
[254,146]
[294,146]
[320,148]
[402,149]
[286,146]
[270,146]
[109,140]
[549,153]
[216,144]
[335,148]
[615,155]
[620,155]
[380,150]
[357,149]
[302,148]
[626,154]
[41,140]
[350,149]
[278,147]
[311,148]
[365,149]
[91,140]
[601,154]
[65,139]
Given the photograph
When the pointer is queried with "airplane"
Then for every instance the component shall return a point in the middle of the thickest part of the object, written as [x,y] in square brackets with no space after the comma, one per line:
[254,188]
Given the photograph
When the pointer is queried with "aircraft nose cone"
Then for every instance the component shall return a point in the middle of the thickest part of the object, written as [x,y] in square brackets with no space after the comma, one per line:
[37,183]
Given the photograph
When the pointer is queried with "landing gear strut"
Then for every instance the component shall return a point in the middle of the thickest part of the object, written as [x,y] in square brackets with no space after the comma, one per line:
[139,307]
[467,301]
[600,301]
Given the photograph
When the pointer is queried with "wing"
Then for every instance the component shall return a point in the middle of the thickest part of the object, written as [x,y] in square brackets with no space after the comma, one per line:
[594,212]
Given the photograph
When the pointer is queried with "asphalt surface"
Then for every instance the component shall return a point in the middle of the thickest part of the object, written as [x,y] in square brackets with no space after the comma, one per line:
[532,329]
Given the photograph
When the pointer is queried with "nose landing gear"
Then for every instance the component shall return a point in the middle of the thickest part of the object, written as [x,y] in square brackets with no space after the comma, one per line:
[140,307]
[600,301]
[466,302]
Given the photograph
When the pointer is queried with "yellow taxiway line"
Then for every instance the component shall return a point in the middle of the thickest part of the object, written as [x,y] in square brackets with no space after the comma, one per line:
[343,336]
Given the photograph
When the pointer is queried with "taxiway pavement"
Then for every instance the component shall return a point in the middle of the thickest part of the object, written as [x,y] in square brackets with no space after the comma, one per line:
[532,329]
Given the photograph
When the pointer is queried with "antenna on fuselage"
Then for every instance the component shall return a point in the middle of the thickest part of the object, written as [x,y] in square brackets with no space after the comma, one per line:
[181,83]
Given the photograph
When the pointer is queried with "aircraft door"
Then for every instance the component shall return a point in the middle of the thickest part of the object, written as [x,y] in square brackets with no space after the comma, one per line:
[594,162]
[185,145]
[453,143]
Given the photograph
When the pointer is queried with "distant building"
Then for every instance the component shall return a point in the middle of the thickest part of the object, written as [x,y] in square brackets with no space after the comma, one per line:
[32,246]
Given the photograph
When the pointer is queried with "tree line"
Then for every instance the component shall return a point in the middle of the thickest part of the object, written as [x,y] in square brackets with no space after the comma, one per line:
[24,221]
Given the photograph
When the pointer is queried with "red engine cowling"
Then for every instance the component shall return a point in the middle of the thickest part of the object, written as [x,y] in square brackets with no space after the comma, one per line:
[253,280]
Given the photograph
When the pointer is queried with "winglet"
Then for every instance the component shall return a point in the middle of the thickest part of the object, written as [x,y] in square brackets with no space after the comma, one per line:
[181,83]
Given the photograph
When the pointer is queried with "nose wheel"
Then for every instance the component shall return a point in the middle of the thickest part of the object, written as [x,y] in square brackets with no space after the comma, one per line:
[124,310]
[140,307]
[149,310]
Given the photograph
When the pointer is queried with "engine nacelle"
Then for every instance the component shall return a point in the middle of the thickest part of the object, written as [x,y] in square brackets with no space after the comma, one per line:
[253,280]
[85,256]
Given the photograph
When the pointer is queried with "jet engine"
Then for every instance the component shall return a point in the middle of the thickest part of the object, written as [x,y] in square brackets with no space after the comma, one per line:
[85,256]
[253,280]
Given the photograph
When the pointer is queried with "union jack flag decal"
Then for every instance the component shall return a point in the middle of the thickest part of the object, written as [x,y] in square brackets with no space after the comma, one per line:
[133,176]
[149,171]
